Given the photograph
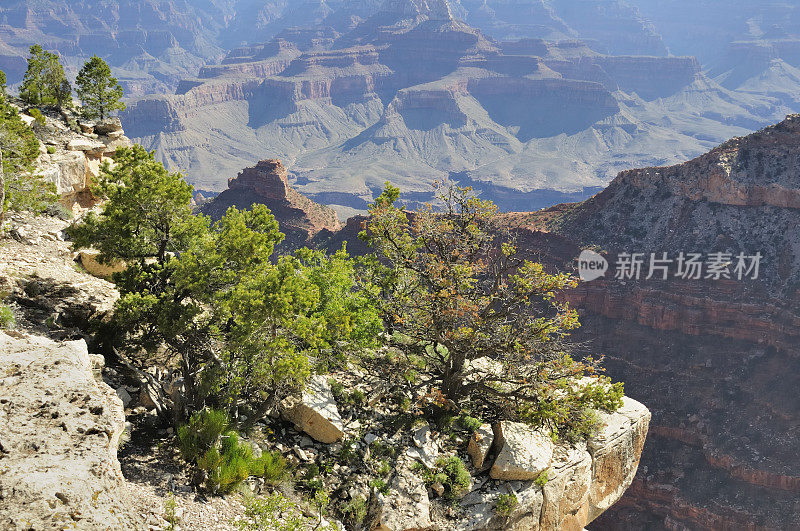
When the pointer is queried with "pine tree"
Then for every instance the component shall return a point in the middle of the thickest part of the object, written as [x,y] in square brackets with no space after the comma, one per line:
[43,80]
[99,91]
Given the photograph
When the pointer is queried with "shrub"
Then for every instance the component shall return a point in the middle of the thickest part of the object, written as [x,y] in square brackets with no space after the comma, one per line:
[271,513]
[51,150]
[506,504]
[37,115]
[355,511]
[7,320]
[380,485]
[451,472]
[202,432]
[271,466]
[542,478]
[227,466]
[469,423]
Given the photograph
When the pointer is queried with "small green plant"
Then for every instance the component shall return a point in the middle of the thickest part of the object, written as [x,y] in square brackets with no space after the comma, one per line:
[506,504]
[271,466]
[347,455]
[226,459]
[201,433]
[542,478]
[169,512]
[380,485]
[337,389]
[51,150]
[355,511]
[271,513]
[37,115]
[451,472]
[7,320]
[469,423]
[384,468]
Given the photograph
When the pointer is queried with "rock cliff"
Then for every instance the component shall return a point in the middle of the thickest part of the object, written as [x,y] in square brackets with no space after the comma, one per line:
[715,360]
[267,183]
[59,430]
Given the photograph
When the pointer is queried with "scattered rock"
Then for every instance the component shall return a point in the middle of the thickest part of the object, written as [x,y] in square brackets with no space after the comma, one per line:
[315,412]
[405,508]
[480,444]
[90,262]
[524,452]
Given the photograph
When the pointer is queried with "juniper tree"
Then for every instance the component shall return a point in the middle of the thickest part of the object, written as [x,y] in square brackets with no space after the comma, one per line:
[243,329]
[100,92]
[477,327]
[42,83]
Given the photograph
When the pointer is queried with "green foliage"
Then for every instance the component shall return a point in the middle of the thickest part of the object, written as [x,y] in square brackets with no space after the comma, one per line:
[271,513]
[485,322]
[226,459]
[271,466]
[3,82]
[43,80]
[469,423]
[169,512]
[542,479]
[51,150]
[201,433]
[7,320]
[99,91]
[506,504]
[252,327]
[355,511]
[37,115]
[379,485]
[451,472]
[20,187]
[147,214]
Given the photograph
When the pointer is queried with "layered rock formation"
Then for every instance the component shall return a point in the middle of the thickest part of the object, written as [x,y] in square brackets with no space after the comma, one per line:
[715,360]
[411,94]
[59,430]
[72,153]
[266,183]
[583,480]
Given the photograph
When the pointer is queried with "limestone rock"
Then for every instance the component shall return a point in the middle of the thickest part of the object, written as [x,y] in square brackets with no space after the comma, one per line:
[615,452]
[480,443]
[524,453]
[405,508]
[566,493]
[60,427]
[109,125]
[315,412]
[82,143]
[90,262]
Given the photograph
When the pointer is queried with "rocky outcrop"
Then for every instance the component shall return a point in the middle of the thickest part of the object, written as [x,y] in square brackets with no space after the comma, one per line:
[73,152]
[524,452]
[315,411]
[267,183]
[59,430]
[405,507]
[558,486]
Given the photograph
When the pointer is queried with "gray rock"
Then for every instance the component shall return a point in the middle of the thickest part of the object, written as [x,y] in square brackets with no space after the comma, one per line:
[524,452]
[315,412]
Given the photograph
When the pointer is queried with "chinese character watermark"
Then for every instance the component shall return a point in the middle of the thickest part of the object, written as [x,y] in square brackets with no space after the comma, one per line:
[662,266]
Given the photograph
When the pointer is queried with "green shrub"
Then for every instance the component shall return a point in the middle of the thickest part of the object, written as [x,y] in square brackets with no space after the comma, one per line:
[7,320]
[469,423]
[380,485]
[37,115]
[271,466]
[271,513]
[355,511]
[542,478]
[506,504]
[51,150]
[451,472]
[201,433]
[227,466]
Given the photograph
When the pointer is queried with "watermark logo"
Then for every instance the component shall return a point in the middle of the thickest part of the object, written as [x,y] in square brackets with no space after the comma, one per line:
[591,265]
[661,266]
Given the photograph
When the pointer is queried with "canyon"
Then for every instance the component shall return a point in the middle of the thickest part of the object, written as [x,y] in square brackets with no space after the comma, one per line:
[412,94]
